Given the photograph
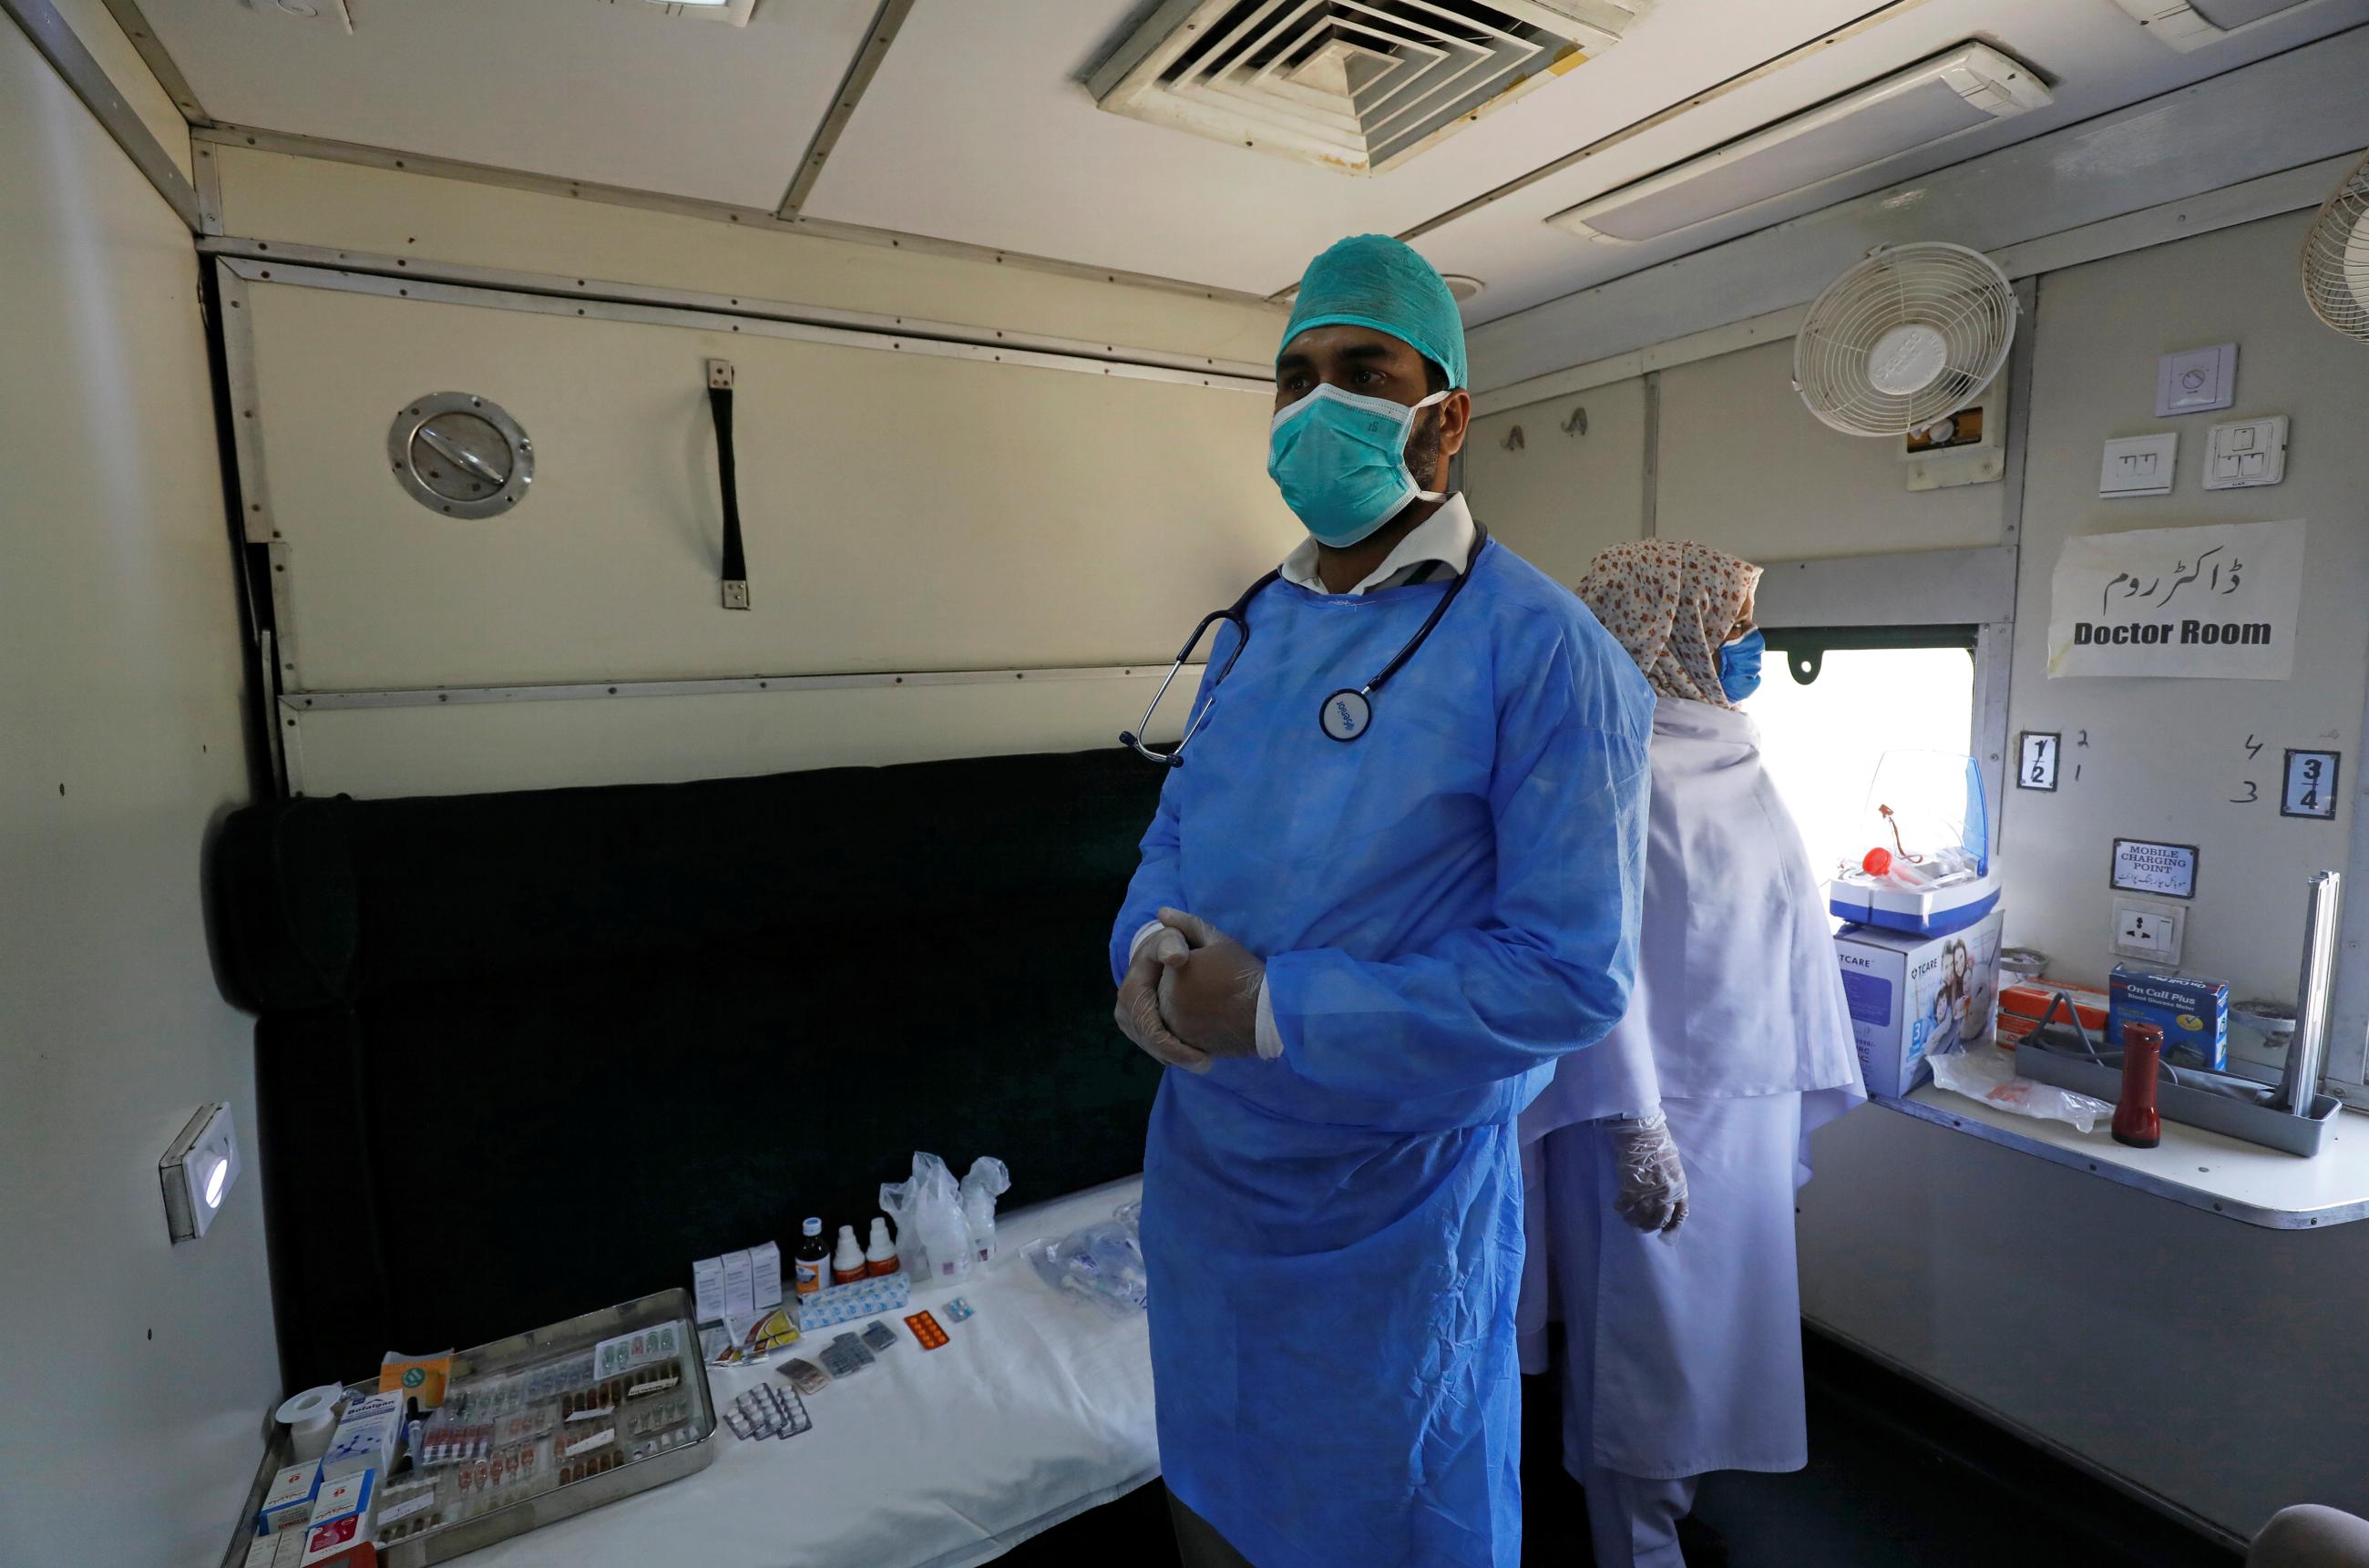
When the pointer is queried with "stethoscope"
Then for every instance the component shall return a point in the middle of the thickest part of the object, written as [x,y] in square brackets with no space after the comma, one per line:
[1345,715]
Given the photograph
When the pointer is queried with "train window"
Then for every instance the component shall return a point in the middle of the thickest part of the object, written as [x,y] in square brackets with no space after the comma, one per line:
[1828,710]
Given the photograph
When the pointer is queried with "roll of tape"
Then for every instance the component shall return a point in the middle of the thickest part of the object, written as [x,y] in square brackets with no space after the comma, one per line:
[310,1417]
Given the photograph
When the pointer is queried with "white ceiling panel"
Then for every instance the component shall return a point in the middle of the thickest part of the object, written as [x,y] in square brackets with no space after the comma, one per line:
[620,94]
[980,128]
[2089,52]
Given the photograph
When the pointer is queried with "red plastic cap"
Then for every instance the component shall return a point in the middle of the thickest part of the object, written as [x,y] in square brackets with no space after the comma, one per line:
[1878,862]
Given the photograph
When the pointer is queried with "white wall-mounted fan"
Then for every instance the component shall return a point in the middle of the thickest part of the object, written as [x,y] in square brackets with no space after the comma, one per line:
[2336,257]
[1907,337]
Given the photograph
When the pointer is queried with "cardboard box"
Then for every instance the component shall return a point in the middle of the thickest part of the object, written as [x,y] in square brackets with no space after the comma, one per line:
[2193,1015]
[2022,1003]
[365,1438]
[765,1281]
[289,1499]
[340,1543]
[1915,996]
[348,1497]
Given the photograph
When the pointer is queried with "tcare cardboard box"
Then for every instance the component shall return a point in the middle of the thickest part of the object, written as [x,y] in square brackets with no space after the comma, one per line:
[1913,998]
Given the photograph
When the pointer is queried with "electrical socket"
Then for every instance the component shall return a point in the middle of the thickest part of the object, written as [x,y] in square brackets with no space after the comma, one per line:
[2150,934]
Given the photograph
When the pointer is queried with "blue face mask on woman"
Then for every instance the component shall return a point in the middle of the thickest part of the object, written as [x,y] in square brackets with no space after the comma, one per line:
[1340,461]
[1739,665]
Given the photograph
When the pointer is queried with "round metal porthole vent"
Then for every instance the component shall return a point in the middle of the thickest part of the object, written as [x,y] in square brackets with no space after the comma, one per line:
[460,456]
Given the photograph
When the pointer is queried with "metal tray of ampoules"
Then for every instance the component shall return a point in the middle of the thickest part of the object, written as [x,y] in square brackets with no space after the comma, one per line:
[547,1382]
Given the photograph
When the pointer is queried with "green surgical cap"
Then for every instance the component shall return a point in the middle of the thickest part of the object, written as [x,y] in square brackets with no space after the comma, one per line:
[1374,281]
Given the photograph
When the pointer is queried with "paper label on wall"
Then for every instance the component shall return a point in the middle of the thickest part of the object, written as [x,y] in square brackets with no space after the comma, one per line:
[2219,602]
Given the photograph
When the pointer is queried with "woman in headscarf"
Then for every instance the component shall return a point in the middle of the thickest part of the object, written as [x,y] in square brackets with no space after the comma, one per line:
[1661,1163]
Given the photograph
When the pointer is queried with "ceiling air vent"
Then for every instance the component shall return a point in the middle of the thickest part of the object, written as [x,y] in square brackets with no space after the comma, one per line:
[733,13]
[1358,86]
[1969,87]
[2192,24]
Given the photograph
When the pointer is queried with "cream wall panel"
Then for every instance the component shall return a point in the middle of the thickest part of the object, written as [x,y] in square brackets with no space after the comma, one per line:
[1564,497]
[269,196]
[1745,468]
[549,745]
[901,511]
[2166,757]
[137,1371]
[2136,1331]
[95,26]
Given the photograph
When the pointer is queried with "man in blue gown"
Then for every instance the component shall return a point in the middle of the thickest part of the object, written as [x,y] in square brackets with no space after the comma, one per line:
[1395,877]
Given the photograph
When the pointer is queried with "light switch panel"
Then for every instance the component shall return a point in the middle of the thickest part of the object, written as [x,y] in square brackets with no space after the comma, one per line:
[2148,933]
[2196,380]
[2247,453]
[2139,465]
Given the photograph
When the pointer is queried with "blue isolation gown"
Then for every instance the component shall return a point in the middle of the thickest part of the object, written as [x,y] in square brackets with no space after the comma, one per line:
[1446,906]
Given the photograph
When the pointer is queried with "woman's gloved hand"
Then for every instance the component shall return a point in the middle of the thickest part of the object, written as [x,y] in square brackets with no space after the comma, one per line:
[1138,1011]
[1653,1183]
[1210,995]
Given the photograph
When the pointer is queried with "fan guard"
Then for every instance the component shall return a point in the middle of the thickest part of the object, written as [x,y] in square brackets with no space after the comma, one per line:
[2336,258]
[1905,338]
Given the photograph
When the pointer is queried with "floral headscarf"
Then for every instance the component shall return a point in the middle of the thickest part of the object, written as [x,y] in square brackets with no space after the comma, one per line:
[1671,603]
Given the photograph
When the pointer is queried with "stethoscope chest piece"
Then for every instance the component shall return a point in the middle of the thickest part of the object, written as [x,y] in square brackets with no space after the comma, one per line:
[1348,715]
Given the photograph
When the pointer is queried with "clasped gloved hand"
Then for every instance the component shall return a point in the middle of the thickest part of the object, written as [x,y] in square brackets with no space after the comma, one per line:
[1653,1183]
[1137,1011]
[1209,994]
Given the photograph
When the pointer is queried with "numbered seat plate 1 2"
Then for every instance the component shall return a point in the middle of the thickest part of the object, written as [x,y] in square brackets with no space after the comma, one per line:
[460,456]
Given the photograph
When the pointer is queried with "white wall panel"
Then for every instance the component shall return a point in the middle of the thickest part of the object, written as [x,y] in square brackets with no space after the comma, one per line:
[2210,1362]
[269,196]
[95,26]
[137,1371]
[2168,758]
[446,749]
[901,511]
[1563,495]
[1744,467]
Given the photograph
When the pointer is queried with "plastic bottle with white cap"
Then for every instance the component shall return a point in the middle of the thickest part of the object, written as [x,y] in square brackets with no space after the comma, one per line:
[880,1257]
[847,1265]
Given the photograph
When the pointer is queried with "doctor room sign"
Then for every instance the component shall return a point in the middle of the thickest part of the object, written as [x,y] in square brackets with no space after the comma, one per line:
[2213,603]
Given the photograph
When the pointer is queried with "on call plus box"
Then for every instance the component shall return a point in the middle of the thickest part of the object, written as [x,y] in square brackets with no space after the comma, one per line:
[2193,1015]
[1915,996]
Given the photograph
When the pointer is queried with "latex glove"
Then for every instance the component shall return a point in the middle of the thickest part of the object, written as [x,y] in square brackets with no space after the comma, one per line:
[1653,1183]
[1138,1011]
[1210,996]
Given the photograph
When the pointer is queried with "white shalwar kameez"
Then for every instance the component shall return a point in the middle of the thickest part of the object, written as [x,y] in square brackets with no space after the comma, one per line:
[1685,1353]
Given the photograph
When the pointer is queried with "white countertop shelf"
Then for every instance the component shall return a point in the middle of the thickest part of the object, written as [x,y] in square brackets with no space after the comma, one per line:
[2204,1170]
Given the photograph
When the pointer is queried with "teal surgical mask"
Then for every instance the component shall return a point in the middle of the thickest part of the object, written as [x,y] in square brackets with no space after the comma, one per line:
[1340,461]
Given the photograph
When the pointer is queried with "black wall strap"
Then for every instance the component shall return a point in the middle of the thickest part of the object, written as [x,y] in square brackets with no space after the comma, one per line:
[736,564]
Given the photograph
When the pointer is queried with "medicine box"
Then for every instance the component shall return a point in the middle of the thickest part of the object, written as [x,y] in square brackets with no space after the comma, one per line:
[281,1549]
[364,1438]
[289,1499]
[348,1496]
[765,1276]
[1915,997]
[845,1303]
[2192,1013]
[340,1543]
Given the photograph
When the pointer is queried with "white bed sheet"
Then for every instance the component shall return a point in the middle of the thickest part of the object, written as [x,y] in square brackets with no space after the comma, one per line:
[1038,1410]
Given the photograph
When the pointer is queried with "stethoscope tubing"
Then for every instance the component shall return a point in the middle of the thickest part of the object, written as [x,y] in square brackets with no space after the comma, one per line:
[1238,615]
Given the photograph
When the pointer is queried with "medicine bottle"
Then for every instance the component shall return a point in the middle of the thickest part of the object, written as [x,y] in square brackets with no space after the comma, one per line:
[812,1260]
[848,1266]
[880,1257]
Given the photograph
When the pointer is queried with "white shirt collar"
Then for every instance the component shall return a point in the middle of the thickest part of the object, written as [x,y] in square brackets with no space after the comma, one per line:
[1445,537]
